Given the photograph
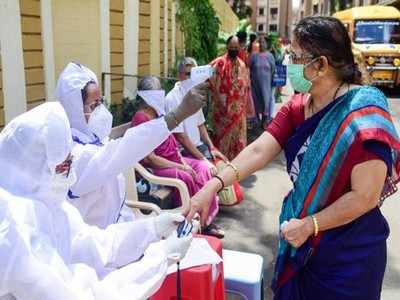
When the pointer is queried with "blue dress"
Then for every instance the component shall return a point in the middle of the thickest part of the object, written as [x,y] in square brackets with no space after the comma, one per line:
[262,67]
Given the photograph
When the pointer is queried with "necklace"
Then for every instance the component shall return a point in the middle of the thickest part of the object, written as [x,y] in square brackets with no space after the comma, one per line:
[312,106]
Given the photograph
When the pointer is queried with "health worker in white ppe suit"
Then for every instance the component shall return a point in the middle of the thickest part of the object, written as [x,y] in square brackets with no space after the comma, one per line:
[99,192]
[47,252]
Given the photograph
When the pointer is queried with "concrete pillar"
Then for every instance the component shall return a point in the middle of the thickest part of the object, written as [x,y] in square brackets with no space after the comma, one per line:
[105,58]
[12,60]
[48,49]
[131,45]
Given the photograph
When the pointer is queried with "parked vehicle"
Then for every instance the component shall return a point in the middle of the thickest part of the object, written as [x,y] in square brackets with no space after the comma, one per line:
[375,33]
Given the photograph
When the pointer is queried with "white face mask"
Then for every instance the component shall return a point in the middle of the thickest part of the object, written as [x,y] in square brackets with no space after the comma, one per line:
[100,122]
[154,98]
[61,184]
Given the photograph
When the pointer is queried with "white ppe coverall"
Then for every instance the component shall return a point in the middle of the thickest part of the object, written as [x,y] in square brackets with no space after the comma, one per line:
[46,250]
[99,192]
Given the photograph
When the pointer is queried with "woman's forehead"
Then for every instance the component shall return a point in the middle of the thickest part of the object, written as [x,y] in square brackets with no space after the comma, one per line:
[93,92]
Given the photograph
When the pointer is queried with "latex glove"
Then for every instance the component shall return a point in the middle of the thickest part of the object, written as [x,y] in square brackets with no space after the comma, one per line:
[176,248]
[191,103]
[166,223]
[196,225]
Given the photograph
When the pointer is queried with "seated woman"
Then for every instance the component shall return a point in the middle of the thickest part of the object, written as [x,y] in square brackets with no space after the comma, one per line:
[166,160]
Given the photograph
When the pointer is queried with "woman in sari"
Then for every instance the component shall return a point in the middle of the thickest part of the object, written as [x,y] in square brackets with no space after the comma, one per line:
[342,154]
[230,89]
[166,160]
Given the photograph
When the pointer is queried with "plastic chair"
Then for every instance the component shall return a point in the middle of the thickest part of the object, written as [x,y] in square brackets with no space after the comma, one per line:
[244,274]
[131,192]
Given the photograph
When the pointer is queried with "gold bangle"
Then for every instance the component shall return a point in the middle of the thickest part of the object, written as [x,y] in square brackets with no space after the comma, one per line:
[234,169]
[316,227]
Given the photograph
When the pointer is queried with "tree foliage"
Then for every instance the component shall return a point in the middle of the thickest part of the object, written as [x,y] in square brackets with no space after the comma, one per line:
[200,26]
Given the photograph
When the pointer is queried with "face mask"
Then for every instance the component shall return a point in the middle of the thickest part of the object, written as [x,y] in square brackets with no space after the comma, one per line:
[155,99]
[100,122]
[61,183]
[296,77]
[233,53]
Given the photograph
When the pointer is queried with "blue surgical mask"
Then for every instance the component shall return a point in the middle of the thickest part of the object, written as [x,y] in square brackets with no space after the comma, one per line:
[296,77]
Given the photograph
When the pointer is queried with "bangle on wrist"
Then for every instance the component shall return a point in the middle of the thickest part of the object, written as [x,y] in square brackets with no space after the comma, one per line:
[316,227]
[221,181]
[235,169]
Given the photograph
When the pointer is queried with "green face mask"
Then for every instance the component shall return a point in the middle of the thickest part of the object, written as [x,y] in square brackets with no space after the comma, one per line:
[295,73]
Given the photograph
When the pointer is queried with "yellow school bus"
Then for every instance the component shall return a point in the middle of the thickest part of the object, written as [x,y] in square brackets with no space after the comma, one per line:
[375,35]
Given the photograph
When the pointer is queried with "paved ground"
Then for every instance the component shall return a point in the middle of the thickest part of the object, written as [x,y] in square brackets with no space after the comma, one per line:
[253,225]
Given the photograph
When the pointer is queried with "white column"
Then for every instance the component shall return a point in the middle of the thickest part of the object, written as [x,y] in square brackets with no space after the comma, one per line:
[166,38]
[12,59]
[131,45]
[173,38]
[48,48]
[105,46]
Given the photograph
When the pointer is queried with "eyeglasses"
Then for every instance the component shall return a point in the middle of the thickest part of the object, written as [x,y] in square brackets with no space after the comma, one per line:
[295,58]
[93,105]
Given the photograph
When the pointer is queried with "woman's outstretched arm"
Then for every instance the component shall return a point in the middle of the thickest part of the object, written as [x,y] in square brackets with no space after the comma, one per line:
[252,158]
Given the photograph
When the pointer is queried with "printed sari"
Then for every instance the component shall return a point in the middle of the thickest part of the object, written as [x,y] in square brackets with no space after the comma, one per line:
[347,262]
[230,91]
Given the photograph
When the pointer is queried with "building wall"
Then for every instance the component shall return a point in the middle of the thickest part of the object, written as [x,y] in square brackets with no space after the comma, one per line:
[32,52]
[155,48]
[261,13]
[170,46]
[253,18]
[144,37]
[285,18]
[71,17]
[162,37]
[117,49]
[39,37]
[273,19]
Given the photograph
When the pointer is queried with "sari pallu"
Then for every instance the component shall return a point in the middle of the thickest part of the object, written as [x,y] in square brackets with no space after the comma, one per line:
[359,116]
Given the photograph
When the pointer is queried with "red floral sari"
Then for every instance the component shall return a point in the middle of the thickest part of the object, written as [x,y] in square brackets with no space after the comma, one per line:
[230,99]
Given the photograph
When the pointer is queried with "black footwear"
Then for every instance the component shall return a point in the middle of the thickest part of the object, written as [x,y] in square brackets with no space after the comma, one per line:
[213,230]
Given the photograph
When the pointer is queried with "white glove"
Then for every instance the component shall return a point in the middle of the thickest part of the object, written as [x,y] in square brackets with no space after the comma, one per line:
[166,223]
[196,226]
[176,248]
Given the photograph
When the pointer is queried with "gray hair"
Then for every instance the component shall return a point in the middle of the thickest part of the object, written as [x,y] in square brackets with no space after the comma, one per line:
[149,83]
[186,61]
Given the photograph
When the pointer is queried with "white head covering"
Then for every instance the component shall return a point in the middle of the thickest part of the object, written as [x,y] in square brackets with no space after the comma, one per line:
[69,92]
[31,146]
[154,98]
